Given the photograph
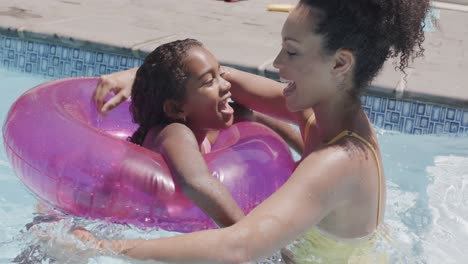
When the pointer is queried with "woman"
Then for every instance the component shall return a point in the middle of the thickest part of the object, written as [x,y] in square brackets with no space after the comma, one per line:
[334,201]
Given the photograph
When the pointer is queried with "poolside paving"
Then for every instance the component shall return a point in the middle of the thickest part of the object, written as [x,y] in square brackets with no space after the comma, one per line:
[243,34]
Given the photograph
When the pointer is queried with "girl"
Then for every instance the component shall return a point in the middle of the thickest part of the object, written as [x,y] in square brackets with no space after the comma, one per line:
[180,100]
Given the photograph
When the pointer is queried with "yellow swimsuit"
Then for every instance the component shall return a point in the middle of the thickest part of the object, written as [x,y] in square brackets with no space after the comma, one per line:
[317,247]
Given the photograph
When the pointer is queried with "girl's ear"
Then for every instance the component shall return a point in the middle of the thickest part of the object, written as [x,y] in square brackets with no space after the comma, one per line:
[174,110]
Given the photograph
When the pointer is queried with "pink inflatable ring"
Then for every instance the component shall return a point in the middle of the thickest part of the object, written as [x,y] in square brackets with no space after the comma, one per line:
[79,162]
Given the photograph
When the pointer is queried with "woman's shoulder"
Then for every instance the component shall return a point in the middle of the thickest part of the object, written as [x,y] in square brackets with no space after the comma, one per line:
[338,162]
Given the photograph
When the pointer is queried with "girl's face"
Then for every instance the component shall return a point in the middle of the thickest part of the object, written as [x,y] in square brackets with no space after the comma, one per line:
[207,92]
[303,63]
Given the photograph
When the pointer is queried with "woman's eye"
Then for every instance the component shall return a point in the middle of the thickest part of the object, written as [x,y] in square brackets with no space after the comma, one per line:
[290,54]
[222,74]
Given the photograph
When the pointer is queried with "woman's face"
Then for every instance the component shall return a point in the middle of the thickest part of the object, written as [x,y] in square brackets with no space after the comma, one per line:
[303,63]
[207,94]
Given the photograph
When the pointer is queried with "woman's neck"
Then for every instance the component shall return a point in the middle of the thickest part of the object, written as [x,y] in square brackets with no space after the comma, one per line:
[335,115]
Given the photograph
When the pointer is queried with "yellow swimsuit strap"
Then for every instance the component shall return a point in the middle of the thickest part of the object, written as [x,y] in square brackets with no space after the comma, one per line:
[352,134]
[309,122]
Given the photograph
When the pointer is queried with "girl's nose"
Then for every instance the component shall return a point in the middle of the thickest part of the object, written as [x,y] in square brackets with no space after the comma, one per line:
[224,84]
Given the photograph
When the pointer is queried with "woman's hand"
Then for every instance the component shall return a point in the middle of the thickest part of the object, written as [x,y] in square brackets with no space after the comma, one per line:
[119,83]
[84,235]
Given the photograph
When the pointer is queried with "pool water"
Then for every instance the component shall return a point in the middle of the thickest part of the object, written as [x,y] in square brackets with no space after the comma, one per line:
[426,220]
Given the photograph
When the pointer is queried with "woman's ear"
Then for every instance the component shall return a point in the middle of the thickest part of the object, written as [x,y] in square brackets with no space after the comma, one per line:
[344,63]
[174,109]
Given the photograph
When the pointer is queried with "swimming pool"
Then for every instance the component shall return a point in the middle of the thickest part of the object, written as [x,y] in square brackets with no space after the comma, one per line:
[426,220]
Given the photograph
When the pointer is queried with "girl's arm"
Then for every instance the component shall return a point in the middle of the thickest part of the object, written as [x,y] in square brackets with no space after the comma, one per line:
[180,149]
[316,187]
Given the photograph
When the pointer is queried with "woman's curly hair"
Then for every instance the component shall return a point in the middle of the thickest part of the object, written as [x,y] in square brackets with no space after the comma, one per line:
[374,30]
[162,76]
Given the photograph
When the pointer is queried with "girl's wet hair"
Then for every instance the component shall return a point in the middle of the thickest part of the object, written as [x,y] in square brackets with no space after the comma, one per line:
[162,76]
[374,30]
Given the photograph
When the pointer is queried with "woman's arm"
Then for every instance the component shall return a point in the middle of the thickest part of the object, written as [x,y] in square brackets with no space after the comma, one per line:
[316,187]
[291,135]
[180,149]
[120,83]
[256,92]
[259,93]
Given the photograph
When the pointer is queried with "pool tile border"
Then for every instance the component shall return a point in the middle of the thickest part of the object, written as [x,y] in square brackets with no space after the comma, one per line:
[59,61]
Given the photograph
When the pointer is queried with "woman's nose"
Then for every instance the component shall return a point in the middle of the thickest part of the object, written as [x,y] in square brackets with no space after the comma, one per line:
[277,63]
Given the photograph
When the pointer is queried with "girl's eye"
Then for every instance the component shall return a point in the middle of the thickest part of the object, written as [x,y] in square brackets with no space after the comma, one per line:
[222,74]
[209,81]
[290,54]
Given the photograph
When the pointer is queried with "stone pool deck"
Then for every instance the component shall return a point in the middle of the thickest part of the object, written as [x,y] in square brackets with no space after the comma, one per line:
[243,34]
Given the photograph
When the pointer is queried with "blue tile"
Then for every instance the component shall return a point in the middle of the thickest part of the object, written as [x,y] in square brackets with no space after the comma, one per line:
[417,131]
[33,57]
[379,120]
[30,46]
[431,128]
[407,109]
[388,127]
[421,108]
[51,72]
[52,49]
[465,118]
[447,127]
[383,106]
[408,128]
[113,61]
[458,115]
[424,122]
[21,61]
[67,68]
[454,127]
[395,118]
[76,54]
[388,116]
[443,111]
[43,62]
[78,65]
[43,51]
[99,57]
[435,115]
[391,104]
[88,57]
[65,54]
[439,128]
[377,104]
[55,61]
[102,69]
